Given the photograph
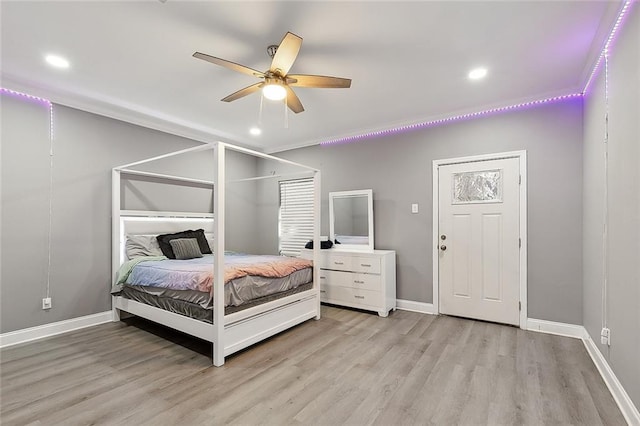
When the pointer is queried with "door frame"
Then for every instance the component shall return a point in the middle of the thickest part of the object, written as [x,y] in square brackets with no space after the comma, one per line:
[522,157]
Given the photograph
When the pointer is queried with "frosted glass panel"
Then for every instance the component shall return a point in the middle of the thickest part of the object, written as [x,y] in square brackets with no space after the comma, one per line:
[477,187]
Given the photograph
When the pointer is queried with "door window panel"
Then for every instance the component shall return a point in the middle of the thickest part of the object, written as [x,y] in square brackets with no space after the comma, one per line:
[477,187]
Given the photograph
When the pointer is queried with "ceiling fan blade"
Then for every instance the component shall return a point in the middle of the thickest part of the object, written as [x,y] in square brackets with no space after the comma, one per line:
[243,92]
[293,102]
[228,64]
[286,54]
[320,81]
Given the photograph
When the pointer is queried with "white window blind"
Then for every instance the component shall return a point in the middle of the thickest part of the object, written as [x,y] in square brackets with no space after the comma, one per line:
[296,215]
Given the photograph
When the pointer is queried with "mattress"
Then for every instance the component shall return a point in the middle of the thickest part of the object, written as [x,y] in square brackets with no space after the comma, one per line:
[183,286]
[193,309]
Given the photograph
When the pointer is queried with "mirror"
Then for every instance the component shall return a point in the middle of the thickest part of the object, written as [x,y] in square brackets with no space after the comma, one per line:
[351,219]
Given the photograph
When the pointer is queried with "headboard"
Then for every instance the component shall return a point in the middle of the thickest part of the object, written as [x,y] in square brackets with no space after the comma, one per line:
[155,223]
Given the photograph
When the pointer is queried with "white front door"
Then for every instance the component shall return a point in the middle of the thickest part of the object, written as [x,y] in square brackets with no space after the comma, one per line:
[478,240]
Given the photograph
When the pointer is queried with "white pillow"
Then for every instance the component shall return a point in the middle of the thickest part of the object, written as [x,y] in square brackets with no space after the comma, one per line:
[142,245]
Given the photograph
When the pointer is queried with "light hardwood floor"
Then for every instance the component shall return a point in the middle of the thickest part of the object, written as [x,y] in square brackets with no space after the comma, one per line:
[348,368]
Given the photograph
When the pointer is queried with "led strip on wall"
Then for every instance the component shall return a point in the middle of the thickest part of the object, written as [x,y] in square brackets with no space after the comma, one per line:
[48,104]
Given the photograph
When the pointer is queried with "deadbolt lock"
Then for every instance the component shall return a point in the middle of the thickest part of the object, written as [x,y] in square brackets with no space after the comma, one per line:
[443,237]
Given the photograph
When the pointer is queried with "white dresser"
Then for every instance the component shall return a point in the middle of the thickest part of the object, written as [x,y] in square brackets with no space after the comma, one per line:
[364,280]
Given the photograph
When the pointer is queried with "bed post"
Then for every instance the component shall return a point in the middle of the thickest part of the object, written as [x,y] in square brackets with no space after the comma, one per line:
[316,237]
[115,235]
[218,253]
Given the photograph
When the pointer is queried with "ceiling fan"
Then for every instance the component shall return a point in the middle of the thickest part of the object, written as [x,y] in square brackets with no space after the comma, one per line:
[276,84]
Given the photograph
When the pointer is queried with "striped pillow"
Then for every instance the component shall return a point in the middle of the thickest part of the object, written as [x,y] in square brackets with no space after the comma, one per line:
[185,248]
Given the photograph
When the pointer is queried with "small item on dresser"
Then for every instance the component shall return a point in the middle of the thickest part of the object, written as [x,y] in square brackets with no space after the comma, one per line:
[323,244]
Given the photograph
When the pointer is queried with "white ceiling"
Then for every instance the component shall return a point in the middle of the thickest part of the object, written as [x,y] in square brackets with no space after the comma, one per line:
[408,60]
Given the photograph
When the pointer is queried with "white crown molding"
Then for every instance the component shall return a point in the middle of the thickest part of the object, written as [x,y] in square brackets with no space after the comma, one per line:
[47,330]
[421,307]
[391,128]
[126,112]
[141,116]
[599,40]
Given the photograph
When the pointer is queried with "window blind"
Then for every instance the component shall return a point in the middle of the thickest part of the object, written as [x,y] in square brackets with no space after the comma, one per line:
[295,215]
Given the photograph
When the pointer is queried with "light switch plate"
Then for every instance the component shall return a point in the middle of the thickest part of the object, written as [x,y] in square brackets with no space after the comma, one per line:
[414,208]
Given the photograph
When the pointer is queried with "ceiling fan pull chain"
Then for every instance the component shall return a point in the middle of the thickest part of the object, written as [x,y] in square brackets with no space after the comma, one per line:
[260,112]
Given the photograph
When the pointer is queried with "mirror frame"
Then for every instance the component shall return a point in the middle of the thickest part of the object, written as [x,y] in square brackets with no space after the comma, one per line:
[347,194]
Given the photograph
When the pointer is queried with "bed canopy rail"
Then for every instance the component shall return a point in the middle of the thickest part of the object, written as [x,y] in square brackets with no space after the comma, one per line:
[166,177]
[232,332]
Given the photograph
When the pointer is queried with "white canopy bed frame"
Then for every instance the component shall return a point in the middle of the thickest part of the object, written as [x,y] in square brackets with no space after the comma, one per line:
[228,333]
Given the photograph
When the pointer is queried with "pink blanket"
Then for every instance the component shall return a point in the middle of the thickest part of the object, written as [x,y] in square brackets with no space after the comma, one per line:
[197,274]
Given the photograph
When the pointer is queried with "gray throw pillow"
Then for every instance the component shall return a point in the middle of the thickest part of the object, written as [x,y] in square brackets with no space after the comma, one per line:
[142,245]
[185,248]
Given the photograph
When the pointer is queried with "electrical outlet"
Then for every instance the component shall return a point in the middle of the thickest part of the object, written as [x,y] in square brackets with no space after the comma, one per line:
[46,303]
[605,336]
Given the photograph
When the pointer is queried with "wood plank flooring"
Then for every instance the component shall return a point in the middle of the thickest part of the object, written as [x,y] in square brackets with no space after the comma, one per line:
[349,367]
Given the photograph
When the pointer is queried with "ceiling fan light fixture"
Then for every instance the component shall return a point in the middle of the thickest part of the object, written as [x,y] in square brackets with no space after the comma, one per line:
[274,91]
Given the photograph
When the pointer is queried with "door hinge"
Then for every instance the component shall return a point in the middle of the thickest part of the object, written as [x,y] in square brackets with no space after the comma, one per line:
[519,179]
[519,242]
[519,306]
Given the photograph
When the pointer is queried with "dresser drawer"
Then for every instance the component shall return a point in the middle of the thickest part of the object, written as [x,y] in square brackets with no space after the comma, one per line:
[351,279]
[338,262]
[370,265]
[351,296]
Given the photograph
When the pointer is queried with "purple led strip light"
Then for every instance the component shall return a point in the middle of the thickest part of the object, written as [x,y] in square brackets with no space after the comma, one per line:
[43,101]
[614,32]
[607,45]
[25,96]
[415,126]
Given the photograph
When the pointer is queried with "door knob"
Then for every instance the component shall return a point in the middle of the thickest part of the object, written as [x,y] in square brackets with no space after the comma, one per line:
[443,247]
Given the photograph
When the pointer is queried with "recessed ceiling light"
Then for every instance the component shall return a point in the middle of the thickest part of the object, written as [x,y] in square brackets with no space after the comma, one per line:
[57,61]
[477,73]
[255,131]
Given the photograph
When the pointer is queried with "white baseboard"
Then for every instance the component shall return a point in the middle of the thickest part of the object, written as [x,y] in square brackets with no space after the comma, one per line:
[629,410]
[558,328]
[409,305]
[47,330]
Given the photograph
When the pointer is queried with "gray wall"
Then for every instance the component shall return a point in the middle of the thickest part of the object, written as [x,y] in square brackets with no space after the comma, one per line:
[399,169]
[623,306]
[86,147]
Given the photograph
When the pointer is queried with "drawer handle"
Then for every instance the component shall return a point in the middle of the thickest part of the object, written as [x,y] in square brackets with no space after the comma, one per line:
[338,263]
[358,282]
[359,297]
[323,278]
[368,265]
[323,291]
